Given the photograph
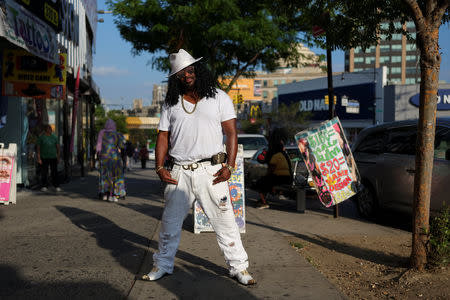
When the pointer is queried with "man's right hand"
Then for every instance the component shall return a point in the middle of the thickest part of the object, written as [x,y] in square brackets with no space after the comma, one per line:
[164,175]
[39,161]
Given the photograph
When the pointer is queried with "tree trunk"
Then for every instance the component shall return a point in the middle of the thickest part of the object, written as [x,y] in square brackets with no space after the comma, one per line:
[429,65]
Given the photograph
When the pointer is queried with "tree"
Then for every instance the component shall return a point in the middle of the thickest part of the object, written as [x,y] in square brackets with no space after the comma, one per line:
[356,23]
[116,115]
[289,118]
[234,37]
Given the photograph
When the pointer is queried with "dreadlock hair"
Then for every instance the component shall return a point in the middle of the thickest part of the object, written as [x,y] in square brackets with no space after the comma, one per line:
[205,85]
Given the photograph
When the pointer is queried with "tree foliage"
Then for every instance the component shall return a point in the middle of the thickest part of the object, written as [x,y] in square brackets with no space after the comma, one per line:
[233,36]
[116,115]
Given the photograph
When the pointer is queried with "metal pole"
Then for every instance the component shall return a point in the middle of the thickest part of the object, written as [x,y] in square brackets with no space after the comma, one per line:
[331,111]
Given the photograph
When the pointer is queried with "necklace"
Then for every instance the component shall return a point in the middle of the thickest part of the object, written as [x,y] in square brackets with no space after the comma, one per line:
[188,112]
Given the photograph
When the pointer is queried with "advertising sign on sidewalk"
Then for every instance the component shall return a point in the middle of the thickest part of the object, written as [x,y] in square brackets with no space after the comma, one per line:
[8,174]
[237,195]
[330,162]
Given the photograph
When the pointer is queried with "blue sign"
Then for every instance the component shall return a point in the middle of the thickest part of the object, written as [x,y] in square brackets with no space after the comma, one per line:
[353,102]
[443,100]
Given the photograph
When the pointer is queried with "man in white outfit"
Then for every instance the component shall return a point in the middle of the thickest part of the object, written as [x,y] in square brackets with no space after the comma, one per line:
[193,118]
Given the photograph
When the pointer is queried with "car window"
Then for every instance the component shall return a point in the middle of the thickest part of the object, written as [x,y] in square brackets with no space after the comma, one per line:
[254,157]
[402,141]
[252,143]
[442,143]
[373,143]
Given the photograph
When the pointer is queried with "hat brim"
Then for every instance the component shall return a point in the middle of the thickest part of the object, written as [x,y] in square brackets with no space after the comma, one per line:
[176,71]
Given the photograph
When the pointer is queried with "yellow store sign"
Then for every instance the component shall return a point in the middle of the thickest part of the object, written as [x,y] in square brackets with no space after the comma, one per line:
[22,66]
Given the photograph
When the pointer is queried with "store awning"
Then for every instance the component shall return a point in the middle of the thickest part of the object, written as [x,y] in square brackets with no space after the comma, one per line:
[142,122]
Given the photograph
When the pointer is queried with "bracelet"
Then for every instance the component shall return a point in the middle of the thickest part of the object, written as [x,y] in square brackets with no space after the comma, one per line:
[230,168]
[159,169]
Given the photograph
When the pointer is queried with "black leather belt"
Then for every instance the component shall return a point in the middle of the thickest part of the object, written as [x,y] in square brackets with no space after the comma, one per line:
[214,160]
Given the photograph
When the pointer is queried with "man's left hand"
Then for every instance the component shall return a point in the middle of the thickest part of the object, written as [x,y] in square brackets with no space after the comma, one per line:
[222,175]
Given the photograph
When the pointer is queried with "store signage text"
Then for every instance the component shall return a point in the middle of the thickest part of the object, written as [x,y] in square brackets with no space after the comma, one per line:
[70,22]
[312,105]
[443,99]
[27,31]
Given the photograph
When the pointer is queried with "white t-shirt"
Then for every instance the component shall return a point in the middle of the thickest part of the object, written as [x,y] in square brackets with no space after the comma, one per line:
[198,135]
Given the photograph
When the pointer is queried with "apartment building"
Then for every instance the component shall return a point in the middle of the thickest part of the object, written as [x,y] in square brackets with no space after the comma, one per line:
[399,55]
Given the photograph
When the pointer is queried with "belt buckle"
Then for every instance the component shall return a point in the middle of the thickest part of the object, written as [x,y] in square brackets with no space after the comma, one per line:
[192,166]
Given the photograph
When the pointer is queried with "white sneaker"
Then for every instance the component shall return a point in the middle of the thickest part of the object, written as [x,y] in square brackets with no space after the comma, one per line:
[105,197]
[58,189]
[155,274]
[44,189]
[244,277]
[115,199]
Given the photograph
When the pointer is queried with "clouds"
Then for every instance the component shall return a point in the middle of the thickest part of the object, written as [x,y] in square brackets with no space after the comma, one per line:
[109,71]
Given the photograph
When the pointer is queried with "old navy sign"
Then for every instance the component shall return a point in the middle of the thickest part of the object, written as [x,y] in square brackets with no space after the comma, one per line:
[443,102]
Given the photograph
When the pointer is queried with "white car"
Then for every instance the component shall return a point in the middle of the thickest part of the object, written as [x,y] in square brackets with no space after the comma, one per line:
[151,154]
[251,143]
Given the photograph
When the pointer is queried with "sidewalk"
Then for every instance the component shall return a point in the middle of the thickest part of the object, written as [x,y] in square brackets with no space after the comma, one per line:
[72,245]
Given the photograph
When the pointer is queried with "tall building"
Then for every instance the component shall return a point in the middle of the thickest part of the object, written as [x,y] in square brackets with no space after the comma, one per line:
[159,94]
[137,104]
[398,54]
[310,67]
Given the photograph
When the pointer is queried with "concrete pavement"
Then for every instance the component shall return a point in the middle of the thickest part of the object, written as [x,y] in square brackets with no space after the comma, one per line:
[70,245]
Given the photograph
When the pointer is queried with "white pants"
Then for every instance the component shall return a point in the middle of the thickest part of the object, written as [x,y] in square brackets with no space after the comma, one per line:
[216,203]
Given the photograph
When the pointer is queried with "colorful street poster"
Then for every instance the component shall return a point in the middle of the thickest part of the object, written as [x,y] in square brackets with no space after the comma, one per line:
[330,162]
[237,195]
[6,173]
[26,75]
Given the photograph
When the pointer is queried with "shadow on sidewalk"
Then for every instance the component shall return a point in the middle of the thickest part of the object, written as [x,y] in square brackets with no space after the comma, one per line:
[391,260]
[14,286]
[189,279]
[120,242]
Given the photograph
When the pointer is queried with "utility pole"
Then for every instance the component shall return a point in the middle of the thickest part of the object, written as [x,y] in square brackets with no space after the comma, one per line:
[331,110]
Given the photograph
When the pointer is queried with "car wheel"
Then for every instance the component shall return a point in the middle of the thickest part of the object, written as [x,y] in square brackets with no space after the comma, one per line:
[367,202]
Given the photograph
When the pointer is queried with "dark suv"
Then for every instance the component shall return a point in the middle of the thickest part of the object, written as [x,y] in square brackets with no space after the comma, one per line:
[385,156]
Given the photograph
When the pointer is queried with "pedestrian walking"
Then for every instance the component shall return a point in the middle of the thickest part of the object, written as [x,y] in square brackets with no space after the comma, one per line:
[143,156]
[193,117]
[110,144]
[48,156]
[129,151]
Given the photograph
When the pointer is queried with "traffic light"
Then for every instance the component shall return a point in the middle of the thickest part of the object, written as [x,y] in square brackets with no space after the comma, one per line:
[240,99]
[327,99]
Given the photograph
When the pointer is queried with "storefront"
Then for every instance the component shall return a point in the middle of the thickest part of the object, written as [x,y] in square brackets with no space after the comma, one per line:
[359,99]
[402,102]
[39,81]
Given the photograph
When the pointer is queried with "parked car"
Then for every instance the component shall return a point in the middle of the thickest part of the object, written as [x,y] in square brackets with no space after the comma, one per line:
[385,156]
[251,143]
[253,169]
[151,154]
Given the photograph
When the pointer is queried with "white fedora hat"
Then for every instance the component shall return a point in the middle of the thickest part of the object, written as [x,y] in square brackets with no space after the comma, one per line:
[180,60]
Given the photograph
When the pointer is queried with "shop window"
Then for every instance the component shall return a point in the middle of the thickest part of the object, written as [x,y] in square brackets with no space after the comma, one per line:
[265,83]
[264,94]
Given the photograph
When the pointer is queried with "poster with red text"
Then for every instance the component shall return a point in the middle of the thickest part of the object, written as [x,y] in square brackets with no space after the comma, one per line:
[330,162]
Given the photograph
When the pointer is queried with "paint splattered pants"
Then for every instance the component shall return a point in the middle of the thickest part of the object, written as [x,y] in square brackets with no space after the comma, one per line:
[216,203]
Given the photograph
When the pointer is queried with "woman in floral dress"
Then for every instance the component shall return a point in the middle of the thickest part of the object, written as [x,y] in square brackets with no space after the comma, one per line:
[110,143]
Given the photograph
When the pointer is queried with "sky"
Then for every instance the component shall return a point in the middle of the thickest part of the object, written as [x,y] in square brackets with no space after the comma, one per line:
[122,77]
